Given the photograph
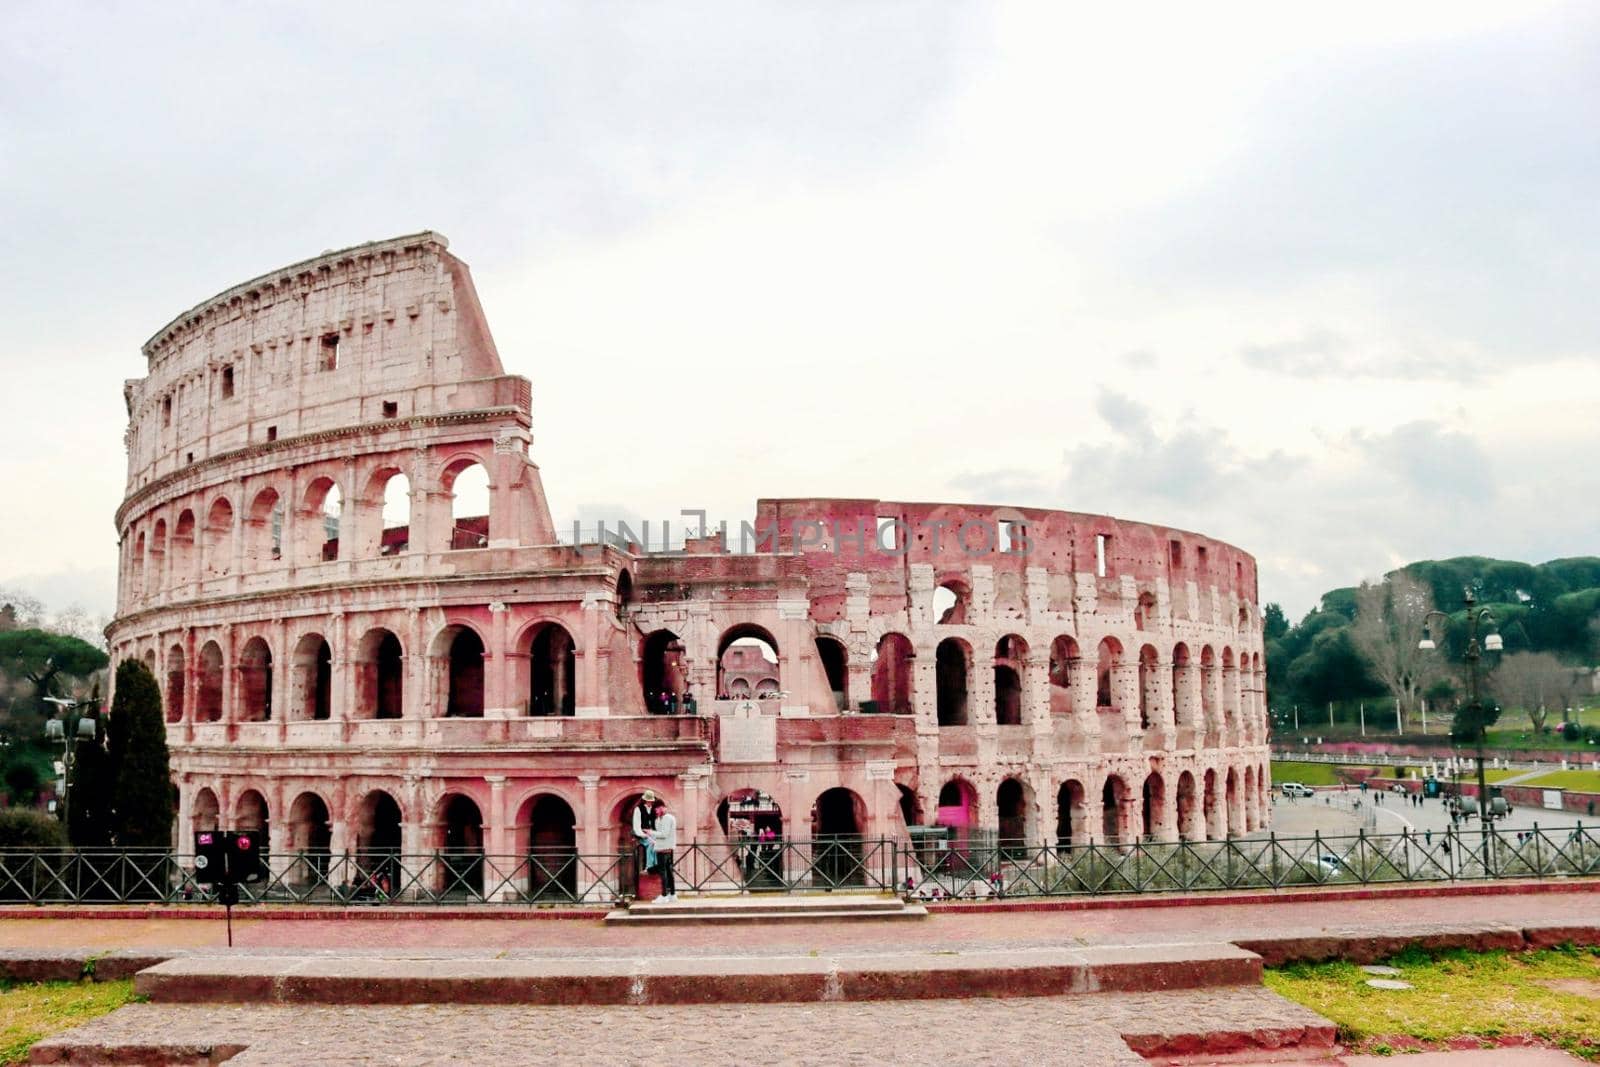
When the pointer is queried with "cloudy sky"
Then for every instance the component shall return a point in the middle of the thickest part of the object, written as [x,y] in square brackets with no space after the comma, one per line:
[1320,283]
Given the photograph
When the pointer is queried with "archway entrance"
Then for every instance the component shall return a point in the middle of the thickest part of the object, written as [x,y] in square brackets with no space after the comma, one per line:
[1155,804]
[311,689]
[462,854]
[834,659]
[250,813]
[754,825]
[747,661]
[552,848]
[310,837]
[837,821]
[464,698]
[378,846]
[255,681]
[958,811]
[1114,803]
[1189,828]
[891,674]
[206,813]
[1012,804]
[1070,801]
[950,674]
[662,672]
[552,663]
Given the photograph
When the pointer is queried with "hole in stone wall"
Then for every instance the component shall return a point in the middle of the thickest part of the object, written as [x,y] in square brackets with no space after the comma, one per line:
[330,351]
[227,383]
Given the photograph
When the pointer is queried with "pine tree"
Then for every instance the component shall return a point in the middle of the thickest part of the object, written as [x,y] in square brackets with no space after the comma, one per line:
[143,807]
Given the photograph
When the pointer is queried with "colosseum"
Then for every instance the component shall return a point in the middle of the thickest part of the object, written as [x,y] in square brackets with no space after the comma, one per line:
[357,666]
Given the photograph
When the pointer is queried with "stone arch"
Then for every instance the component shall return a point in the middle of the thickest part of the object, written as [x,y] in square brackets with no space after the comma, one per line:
[459,833]
[662,673]
[175,683]
[389,493]
[320,521]
[1249,797]
[378,826]
[952,667]
[250,812]
[255,681]
[1191,821]
[1013,802]
[835,661]
[1108,659]
[547,837]
[136,569]
[1232,803]
[183,548]
[952,602]
[1010,659]
[910,805]
[552,670]
[1154,805]
[465,481]
[838,821]
[205,812]
[1116,804]
[311,678]
[624,593]
[958,809]
[156,564]
[1072,813]
[1208,685]
[380,675]
[892,661]
[457,654]
[1149,684]
[208,706]
[1064,661]
[263,530]
[746,634]
[219,538]
[1144,611]
[1215,816]
[310,837]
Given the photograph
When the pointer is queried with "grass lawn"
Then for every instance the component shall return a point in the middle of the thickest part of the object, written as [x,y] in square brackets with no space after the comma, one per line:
[31,1011]
[1582,781]
[1304,773]
[1457,994]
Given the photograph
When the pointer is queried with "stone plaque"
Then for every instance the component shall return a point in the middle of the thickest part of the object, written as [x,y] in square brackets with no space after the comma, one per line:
[752,739]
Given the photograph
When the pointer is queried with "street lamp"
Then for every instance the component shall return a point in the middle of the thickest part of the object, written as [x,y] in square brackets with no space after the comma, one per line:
[84,727]
[1491,643]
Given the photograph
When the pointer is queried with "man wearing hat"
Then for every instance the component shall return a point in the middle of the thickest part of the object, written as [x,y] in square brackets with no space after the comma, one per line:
[644,824]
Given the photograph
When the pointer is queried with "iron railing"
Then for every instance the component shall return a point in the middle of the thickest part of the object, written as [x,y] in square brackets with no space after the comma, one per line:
[928,871]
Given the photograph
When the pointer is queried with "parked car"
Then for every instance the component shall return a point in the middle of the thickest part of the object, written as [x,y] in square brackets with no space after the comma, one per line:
[1331,864]
[1297,789]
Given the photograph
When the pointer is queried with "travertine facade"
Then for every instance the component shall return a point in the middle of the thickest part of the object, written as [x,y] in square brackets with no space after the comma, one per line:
[454,681]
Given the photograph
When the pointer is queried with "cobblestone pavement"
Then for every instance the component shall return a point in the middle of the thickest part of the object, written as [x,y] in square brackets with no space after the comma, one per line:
[1044,1030]
[945,929]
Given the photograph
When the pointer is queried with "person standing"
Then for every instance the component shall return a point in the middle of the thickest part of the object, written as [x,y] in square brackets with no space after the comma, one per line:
[644,824]
[666,841]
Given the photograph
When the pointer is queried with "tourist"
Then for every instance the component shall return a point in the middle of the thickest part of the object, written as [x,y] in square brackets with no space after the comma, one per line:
[644,824]
[690,707]
[665,837]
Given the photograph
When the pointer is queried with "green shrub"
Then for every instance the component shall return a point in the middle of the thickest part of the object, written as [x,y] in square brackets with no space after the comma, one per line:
[26,828]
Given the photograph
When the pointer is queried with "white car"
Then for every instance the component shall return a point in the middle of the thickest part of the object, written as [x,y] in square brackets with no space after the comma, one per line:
[1296,789]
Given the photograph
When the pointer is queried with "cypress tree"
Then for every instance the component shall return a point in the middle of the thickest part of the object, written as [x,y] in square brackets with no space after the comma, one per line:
[89,794]
[143,808]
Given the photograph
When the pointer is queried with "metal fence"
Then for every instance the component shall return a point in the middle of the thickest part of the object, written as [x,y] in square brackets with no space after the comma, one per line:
[925,871]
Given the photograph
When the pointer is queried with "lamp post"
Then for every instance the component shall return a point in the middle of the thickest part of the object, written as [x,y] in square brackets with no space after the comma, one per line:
[1476,617]
[68,729]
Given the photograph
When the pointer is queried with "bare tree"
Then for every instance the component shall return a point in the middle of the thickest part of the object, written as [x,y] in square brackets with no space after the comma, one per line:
[1534,682]
[1387,630]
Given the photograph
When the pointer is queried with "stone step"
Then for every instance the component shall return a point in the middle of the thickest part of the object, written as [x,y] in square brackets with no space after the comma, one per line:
[694,979]
[769,909]
[1105,1029]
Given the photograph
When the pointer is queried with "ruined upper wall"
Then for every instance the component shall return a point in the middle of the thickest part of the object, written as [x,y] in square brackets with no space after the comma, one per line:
[390,329]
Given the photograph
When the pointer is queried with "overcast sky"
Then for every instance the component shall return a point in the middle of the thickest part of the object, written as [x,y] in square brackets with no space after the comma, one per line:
[1319,283]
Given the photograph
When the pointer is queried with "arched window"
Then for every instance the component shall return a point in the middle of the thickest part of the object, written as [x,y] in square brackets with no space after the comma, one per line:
[379,676]
[175,683]
[312,693]
[460,652]
[264,530]
[950,602]
[320,522]
[209,707]
[255,681]
[891,674]
[156,566]
[183,548]
[395,522]
[219,538]
[950,671]
[552,671]
[661,671]
[468,485]
[1010,657]
[747,653]
[835,667]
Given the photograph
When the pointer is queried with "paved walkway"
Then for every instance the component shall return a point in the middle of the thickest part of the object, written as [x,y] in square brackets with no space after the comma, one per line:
[950,928]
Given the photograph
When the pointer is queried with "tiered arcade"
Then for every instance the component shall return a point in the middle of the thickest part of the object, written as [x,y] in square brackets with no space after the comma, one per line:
[354,664]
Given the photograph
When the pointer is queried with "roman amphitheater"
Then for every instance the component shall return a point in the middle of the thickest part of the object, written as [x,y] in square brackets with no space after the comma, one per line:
[355,664]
